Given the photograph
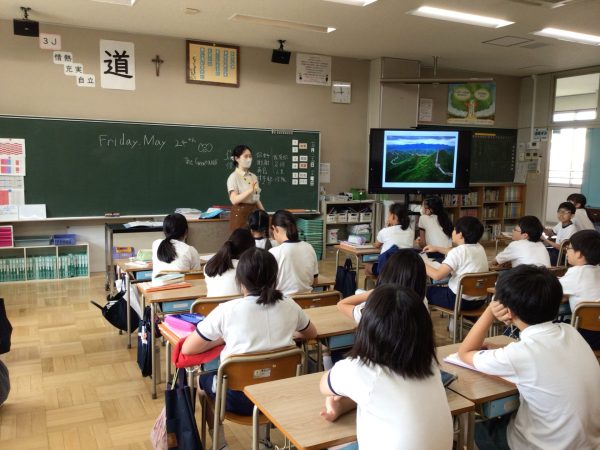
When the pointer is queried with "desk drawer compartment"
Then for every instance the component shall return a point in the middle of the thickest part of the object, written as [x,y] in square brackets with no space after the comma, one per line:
[178,306]
[499,407]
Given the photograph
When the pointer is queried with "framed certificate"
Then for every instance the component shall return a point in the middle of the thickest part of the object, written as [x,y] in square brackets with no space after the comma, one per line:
[211,63]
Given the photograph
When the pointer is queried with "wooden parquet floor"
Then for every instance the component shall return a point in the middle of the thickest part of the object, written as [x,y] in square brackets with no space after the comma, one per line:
[74,383]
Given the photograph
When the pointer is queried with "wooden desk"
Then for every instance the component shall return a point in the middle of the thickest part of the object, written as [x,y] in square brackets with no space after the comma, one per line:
[324,282]
[356,253]
[476,386]
[197,290]
[329,322]
[129,269]
[293,406]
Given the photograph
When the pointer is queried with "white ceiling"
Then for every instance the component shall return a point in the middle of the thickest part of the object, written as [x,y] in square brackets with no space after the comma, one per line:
[380,29]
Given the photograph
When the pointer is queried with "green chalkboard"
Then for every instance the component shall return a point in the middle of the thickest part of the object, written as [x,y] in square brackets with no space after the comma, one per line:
[89,167]
[493,153]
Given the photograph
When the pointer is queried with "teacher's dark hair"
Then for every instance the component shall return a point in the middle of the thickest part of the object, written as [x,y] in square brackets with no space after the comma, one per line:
[286,220]
[396,332]
[258,221]
[239,241]
[175,226]
[237,152]
[405,268]
[257,272]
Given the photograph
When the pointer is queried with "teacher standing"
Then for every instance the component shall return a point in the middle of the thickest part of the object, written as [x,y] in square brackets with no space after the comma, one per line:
[243,189]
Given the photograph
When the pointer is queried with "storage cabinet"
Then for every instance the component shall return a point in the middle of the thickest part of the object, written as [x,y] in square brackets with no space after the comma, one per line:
[44,262]
[340,215]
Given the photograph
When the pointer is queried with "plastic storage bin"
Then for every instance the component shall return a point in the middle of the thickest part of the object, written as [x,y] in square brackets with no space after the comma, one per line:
[64,239]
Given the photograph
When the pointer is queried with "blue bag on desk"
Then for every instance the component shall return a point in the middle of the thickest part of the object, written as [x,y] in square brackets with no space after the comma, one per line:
[345,279]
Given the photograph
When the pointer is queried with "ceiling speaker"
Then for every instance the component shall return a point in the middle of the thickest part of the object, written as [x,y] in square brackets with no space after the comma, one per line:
[23,27]
[281,56]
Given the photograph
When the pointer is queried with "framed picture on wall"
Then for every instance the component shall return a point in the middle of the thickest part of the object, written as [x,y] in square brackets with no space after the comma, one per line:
[211,63]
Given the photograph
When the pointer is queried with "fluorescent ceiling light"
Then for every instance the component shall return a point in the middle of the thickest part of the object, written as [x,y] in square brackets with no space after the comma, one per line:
[457,16]
[570,36]
[353,2]
[117,2]
[281,23]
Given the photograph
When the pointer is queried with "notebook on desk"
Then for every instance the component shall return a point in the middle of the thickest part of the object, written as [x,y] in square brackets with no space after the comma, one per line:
[151,286]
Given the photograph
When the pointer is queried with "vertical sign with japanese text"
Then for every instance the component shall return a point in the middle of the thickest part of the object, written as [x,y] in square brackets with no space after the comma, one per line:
[117,65]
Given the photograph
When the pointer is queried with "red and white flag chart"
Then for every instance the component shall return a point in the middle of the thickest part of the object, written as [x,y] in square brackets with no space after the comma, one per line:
[12,157]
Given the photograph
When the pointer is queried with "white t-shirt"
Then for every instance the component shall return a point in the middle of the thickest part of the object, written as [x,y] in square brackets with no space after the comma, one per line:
[524,252]
[298,266]
[187,258]
[558,378]
[466,258]
[434,234]
[248,327]
[395,235]
[582,221]
[357,311]
[394,412]
[224,284]
[581,283]
[564,233]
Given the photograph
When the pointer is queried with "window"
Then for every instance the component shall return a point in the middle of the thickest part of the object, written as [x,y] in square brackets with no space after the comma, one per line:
[576,98]
[567,154]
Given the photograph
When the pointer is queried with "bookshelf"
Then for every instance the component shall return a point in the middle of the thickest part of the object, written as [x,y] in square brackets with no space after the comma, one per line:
[498,205]
[340,216]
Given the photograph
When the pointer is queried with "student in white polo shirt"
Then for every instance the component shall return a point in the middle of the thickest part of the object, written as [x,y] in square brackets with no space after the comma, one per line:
[562,230]
[172,253]
[435,227]
[555,370]
[527,246]
[297,260]
[581,219]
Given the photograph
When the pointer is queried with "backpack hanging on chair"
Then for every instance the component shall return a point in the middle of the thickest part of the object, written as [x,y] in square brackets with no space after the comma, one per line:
[345,279]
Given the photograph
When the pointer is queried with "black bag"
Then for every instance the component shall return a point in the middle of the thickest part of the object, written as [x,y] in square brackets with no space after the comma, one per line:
[345,279]
[115,311]
[144,347]
[182,431]
[5,329]
[4,383]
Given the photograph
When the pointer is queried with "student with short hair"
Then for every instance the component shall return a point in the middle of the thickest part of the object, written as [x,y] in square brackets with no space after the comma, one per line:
[219,271]
[297,260]
[467,257]
[397,234]
[527,246]
[582,280]
[392,377]
[405,268]
[172,253]
[435,227]
[581,219]
[262,320]
[556,372]
[562,230]
[258,223]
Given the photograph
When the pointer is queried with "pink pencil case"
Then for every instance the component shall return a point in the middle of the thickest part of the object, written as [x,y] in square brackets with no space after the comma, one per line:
[177,324]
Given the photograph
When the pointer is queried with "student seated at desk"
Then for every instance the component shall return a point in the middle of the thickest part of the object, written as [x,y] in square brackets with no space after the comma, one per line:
[391,376]
[172,253]
[555,370]
[467,257]
[435,227]
[527,246]
[581,219]
[405,268]
[582,280]
[297,260]
[397,233]
[563,230]
[260,321]
[258,223]
[219,271]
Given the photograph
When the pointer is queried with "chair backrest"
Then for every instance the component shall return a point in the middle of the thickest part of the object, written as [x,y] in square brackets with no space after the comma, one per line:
[476,284]
[561,261]
[206,304]
[316,299]
[587,316]
[239,371]
[558,271]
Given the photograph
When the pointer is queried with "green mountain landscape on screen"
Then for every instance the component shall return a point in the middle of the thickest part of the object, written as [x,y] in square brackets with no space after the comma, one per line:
[430,163]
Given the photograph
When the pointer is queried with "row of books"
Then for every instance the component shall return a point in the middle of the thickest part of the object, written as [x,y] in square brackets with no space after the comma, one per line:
[491,195]
[452,200]
[512,194]
[43,267]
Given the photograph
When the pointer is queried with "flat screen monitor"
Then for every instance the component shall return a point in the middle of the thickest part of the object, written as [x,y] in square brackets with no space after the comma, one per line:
[413,161]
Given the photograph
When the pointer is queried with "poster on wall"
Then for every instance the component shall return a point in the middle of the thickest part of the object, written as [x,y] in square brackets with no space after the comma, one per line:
[313,69]
[117,65]
[472,103]
[12,157]
[210,63]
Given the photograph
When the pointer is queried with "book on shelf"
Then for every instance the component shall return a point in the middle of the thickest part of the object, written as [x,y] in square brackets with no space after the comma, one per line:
[152,286]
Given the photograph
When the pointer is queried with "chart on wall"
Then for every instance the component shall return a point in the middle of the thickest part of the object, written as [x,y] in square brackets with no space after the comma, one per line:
[90,168]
